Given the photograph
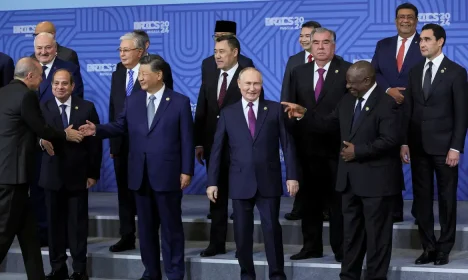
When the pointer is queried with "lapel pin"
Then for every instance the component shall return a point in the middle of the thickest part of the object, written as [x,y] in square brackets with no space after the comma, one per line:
[217,116]
[167,99]
[76,107]
[367,108]
[442,71]
[265,108]
[336,71]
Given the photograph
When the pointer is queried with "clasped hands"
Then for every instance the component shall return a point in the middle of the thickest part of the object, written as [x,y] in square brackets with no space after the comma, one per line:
[73,135]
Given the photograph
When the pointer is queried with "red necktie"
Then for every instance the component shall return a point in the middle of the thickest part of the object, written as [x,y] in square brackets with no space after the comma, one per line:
[401,54]
[309,58]
[222,91]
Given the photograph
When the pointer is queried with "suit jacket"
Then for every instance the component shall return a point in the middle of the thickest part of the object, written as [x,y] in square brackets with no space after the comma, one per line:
[439,123]
[73,163]
[385,63]
[254,162]
[376,169]
[65,54]
[293,61]
[165,150]
[45,89]
[21,121]
[7,69]
[302,92]
[209,65]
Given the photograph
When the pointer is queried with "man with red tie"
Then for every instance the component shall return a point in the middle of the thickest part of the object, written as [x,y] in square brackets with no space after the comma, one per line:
[392,75]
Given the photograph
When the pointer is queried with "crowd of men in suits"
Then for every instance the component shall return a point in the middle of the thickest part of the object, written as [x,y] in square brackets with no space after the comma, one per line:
[345,130]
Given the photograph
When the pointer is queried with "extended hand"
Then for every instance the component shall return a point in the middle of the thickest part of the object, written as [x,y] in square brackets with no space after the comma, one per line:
[91,182]
[347,153]
[212,193]
[48,147]
[294,110]
[452,158]
[88,129]
[396,94]
[73,135]
[184,181]
[199,154]
[293,187]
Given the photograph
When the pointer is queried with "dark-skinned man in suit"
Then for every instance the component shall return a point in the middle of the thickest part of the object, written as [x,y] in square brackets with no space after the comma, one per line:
[369,123]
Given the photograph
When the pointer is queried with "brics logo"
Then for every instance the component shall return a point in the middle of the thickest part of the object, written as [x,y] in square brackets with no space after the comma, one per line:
[24,29]
[440,18]
[152,26]
[285,23]
[104,69]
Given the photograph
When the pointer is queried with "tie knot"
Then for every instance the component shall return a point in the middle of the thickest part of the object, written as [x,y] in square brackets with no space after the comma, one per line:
[44,67]
[63,106]
[404,40]
[321,71]
[130,72]
[225,74]
[360,99]
[309,57]
[250,104]
[430,63]
[152,97]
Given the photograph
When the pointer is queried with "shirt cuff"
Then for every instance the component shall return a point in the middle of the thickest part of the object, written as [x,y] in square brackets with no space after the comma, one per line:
[387,90]
[303,115]
[451,149]
[40,144]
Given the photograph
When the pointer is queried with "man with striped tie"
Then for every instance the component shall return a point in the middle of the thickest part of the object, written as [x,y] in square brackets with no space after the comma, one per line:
[124,83]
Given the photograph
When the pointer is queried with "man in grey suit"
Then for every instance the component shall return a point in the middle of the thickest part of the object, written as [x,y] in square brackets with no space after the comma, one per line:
[299,58]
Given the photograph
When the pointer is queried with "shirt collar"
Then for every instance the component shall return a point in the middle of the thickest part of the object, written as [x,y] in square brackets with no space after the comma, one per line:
[231,71]
[324,67]
[368,93]
[49,65]
[245,103]
[68,102]
[409,38]
[436,61]
[135,69]
[158,94]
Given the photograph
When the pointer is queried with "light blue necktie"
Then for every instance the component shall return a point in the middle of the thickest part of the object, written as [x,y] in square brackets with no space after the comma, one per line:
[130,82]
[151,110]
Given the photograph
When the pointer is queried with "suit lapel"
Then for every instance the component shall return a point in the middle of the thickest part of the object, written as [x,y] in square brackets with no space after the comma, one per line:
[47,83]
[164,102]
[244,125]
[439,76]
[366,110]
[330,78]
[261,115]
[213,88]
[137,86]
[73,110]
[55,111]
[412,53]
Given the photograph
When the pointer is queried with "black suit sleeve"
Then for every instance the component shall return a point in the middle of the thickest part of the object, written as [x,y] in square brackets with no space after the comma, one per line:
[115,142]
[32,116]
[285,87]
[200,118]
[94,146]
[8,71]
[167,72]
[323,124]
[460,103]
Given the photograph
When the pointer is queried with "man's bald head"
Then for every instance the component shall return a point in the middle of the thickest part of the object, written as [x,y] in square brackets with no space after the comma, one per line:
[360,78]
[45,26]
[29,71]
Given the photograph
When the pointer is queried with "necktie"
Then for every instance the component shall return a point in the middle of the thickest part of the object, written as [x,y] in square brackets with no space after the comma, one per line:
[44,68]
[319,85]
[252,120]
[401,54]
[222,91]
[64,115]
[151,110]
[357,111]
[427,80]
[309,58]
[130,82]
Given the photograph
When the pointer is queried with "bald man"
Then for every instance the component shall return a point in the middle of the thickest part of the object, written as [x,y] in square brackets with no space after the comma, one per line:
[63,53]
[369,122]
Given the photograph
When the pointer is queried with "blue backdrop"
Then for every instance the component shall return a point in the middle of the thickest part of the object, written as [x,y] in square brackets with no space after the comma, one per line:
[181,33]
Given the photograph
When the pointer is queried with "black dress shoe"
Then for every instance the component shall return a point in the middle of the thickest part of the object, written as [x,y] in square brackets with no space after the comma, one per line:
[208,216]
[61,274]
[302,255]
[426,257]
[293,216]
[79,276]
[212,251]
[441,259]
[338,258]
[124,244]
[232,216]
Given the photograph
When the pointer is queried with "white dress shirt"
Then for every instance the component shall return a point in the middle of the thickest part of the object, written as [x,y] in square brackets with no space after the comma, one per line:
[365,97]
[49,66]
[306,59]
[316,73]
[158,96]
[230,73]
[407,45]
[135,75]
[245,105]
[435,66]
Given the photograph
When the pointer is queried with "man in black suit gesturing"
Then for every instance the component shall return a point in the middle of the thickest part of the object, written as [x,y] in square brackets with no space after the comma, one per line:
[68,170]
[21,122]
[436,124]
[369,122]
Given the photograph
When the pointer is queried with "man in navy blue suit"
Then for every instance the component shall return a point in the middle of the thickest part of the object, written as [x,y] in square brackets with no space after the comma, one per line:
[392,74]
[7,68]
[160,164]
[253,128]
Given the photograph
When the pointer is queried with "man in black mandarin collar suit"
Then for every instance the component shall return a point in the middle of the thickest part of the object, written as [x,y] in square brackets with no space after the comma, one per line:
[436,121]
[68,170]
[369,122]
[319,86]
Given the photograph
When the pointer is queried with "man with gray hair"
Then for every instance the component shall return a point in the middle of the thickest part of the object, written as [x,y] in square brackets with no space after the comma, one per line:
[317,150]
[21,122]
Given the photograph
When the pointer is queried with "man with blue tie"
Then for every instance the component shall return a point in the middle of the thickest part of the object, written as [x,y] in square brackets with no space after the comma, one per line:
[255,170]
[160,165]
[392,75]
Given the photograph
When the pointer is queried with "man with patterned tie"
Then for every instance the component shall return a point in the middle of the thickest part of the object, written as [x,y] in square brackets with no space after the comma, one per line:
[68,170]
[319,86]
[251,130]
[124,83]
[392,74]
[435,130]
[159,125]
[368,122]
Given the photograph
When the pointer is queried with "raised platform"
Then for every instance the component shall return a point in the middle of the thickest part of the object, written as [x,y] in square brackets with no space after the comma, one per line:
[104,232]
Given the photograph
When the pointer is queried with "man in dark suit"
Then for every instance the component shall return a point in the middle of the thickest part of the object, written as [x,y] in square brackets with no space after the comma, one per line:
[209,65]
[64,53]
[7,68]
[68,170]
[218,90]
[302,57]
[319,86]
[159,168]
[392,74]
[251,130]
[369,122]
[436,130]
[21,122]
[45,49]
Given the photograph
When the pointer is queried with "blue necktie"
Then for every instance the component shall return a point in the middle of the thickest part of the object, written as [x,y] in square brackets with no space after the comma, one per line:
[357,111]
[130,82]
[64,115]
[44,68]
[151,110]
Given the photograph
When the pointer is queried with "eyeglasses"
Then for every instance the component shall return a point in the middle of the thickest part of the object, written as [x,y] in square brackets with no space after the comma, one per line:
[126,50]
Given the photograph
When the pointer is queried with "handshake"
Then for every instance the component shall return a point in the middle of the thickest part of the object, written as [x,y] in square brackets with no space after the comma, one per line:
[77,136]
